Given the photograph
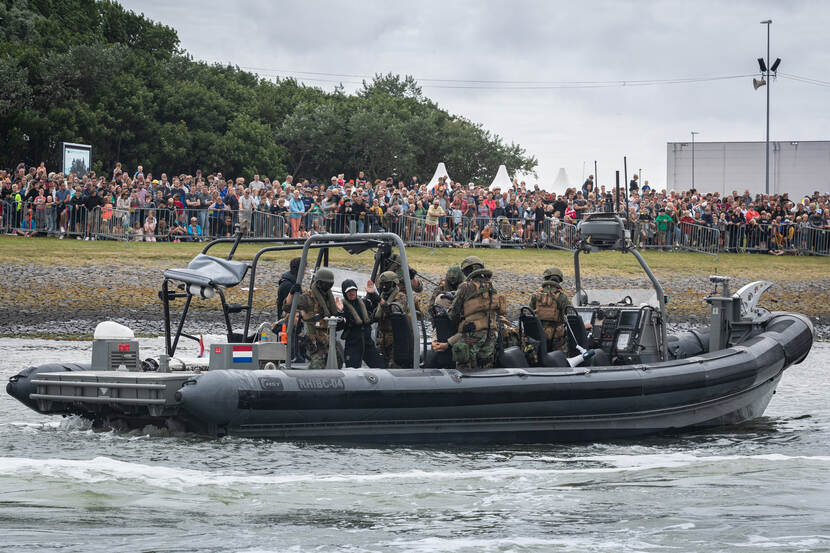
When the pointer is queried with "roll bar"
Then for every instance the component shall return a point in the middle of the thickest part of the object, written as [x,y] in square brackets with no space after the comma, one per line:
[658,288]
[337,239]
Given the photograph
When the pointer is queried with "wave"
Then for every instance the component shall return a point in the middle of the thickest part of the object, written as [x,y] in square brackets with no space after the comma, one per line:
[103,469]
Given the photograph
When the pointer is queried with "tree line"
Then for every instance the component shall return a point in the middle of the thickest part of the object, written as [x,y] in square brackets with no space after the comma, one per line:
[92,72]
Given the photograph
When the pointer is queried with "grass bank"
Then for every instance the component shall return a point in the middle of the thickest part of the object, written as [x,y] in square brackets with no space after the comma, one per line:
[53,252]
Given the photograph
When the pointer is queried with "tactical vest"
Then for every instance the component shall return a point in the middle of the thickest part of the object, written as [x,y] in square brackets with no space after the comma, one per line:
[547,309]
[319,307]
[483,306]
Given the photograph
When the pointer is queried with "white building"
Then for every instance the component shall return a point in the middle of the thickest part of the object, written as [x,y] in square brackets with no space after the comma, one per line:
[796,167]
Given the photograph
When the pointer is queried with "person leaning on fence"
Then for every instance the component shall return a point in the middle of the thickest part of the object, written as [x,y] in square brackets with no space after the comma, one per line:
[27,226]
[179,229]
[194,230]
[150,224]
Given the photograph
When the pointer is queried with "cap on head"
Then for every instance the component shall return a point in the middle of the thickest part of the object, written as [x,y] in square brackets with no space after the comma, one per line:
[347,285]
[554,274]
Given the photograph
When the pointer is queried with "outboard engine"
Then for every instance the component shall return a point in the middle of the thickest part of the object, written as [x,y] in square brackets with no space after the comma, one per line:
[114,348]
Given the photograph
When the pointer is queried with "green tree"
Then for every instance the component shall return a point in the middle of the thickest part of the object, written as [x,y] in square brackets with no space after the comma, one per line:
[89,71]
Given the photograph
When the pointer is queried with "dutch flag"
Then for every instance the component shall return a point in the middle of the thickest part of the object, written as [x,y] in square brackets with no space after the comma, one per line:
[243,354]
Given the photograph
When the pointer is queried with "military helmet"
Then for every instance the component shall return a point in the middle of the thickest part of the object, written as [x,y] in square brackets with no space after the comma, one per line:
[394,261]
[454,275]
[386,281]
[553,273]
[386,277]
[470,264]
[324,275]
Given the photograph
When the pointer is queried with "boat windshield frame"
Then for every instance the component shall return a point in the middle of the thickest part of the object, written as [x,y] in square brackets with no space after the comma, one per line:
[336,240]
[581,297]
[354,244]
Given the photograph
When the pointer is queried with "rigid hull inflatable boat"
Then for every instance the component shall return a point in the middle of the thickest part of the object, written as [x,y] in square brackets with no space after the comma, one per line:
[624,378]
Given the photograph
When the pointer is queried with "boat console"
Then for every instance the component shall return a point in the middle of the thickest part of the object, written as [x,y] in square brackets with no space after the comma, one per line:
[627,325]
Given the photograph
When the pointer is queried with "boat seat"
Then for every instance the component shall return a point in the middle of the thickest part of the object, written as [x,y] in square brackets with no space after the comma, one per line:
[555,359]
[574,321]
[531,328]
[512,358]
[600,359]
[206,270]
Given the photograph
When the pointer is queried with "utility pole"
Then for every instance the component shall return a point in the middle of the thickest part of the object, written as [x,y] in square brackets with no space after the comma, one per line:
[768,23]
[693,157]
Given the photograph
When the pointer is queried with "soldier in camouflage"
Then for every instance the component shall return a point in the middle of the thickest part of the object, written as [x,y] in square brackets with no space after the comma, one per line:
[549,303]
[392,300]
[314,306]
[393,263]
[475,310]
[439,304]
[449,283]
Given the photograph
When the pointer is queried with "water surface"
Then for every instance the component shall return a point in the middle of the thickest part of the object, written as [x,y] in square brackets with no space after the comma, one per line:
[762,486]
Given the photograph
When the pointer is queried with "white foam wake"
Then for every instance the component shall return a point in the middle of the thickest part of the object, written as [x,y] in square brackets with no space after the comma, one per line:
[104,469]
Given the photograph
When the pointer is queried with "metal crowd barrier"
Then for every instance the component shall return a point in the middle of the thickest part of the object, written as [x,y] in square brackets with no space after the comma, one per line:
[42,218]
[176,224]
[39,218]
[671,236]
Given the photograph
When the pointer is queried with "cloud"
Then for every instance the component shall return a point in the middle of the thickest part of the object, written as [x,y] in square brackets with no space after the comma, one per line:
[544,41]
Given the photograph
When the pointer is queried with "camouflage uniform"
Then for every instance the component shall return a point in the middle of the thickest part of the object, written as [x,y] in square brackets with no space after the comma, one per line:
[393,299]
[475,308]
[393,263]
[314,306]
[448,284]
[549,303]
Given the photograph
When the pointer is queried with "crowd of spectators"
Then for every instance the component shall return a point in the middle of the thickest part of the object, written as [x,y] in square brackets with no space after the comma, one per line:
[138,205]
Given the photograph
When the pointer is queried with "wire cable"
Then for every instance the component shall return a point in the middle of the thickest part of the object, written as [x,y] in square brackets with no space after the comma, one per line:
[488,84]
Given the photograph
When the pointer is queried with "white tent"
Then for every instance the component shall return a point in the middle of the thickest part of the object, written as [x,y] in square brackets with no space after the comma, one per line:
[562,181]
[440,171]
[502,180]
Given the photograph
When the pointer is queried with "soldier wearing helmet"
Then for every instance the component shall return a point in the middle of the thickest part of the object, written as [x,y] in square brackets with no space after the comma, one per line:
[447,287]
[549,303]
[392,300]
[475,310]
[393,263]
[314,306]
[440,301]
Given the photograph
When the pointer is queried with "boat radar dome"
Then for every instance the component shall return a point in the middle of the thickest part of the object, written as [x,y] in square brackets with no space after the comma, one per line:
[110,330]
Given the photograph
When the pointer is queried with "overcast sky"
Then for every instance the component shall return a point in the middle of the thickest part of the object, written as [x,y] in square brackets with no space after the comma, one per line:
[544,43]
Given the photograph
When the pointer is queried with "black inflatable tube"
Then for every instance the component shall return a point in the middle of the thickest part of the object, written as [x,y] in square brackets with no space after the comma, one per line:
[20,385]
[259,399]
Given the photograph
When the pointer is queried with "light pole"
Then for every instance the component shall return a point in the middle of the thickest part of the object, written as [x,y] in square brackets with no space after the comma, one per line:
[765,67]
[693,157]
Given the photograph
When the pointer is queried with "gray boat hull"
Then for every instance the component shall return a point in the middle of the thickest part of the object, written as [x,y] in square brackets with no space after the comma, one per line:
[436,405]
[501,405]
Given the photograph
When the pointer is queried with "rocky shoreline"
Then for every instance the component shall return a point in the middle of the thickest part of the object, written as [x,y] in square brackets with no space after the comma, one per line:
[61,302]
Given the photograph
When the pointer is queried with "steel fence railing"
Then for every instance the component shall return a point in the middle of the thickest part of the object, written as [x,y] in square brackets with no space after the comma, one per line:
[42,217]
